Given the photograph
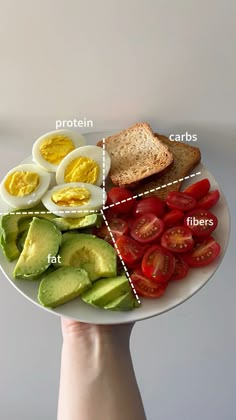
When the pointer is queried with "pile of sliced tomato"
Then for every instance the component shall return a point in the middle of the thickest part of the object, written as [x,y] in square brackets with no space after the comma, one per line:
[160,240]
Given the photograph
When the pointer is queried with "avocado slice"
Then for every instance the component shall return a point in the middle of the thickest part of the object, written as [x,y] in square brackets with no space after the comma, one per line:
[13,224]
[124,302]
[21,239]
[93,254]
[105,291]
[43,239]
[62,285]
[68,235]
[78,223]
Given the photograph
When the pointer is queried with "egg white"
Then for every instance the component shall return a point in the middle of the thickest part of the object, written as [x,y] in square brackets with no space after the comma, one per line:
[76,138]
[92,152]
[31,199]
[95,201]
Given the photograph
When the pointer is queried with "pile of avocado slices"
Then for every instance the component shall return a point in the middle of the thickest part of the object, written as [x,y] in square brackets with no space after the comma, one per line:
[67,258]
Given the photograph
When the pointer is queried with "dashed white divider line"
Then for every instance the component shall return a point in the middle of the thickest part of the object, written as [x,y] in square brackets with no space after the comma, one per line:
[121,259]
[152,190]
[104,171]
[32,213]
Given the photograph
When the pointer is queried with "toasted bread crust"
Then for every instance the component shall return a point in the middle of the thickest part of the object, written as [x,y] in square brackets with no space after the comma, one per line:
[186,158]
[136,153]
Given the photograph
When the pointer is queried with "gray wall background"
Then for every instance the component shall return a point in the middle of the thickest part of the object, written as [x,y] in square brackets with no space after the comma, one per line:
[171,63]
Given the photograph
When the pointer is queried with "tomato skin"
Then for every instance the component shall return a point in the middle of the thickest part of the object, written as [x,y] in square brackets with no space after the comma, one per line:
[173,217]
[201,222]
[146,287]
[199,189]
[158,264]
[177,239]
[209,200]
[117,194]
[180,201]
[146,228]
[203,253]
[130,250]
[150,205]
[181,269]
[117,226]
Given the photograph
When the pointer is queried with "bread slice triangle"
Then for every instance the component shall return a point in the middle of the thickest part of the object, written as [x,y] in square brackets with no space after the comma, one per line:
[136,153]
[186,158]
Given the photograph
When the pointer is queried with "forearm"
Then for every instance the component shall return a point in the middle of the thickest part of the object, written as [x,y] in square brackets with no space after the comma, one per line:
[97,378]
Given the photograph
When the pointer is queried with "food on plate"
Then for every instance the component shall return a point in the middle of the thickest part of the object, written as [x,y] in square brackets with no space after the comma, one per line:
[147,228]
[43,239]
[116,195]
[209,200]
[159,249]
[150,205]
[13,225]
[74,199]
[51,148]
[136,153]
[93,254]
[63,285]
[90,220]
[146,287]
[88,241]
[105,292]
[84,164]
[186,158]
[177,239]
[24,186]
[181,268]
[176,200]
[203,253]
[201,222]
[158,264]
[199,189]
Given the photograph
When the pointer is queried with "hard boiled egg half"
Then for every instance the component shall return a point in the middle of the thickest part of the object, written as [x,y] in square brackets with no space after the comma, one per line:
[74,199]
[24,186]
[51,148]
[89,164]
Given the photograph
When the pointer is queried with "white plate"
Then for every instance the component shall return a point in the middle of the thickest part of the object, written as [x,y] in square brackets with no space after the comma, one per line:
[177,292]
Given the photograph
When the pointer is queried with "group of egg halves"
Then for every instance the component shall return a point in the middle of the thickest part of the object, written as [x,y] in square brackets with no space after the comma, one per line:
[65,175]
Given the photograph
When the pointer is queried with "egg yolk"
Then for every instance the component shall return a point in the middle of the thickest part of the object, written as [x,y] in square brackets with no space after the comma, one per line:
[82,169]
[22,183]
[54,148]
[71,196]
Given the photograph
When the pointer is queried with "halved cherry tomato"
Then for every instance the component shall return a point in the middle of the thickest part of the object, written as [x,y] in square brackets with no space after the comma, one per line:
[117,226]
[146,228]
[146,287]
[203,253]
[150,205]
[131,251]
[209,200]
[177,239]
[173,217]
[199,189]
[181,268]
[158,264]
[180,201]
[118,194]
[201,222]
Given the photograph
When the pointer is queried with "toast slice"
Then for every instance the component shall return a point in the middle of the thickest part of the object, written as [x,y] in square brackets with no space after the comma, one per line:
[136,153]
[186,158]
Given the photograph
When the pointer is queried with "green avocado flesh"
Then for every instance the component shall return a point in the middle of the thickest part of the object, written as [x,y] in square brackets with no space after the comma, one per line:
[124,302]
[62,285]
[43,239]
[78,223]
[93,254]
[104,291]
[12,225]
